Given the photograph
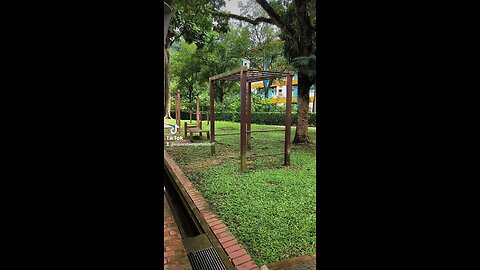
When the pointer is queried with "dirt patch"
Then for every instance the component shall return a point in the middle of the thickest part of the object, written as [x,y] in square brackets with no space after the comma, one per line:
[303,262]
[230,154]
[248,162]
[307,145]
[226,128]
[201,165]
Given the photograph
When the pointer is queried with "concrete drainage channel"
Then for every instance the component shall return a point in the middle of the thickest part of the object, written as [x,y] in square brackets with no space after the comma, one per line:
[202,247]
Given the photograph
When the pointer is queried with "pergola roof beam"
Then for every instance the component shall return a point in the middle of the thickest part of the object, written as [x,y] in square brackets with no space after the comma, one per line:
[253,75]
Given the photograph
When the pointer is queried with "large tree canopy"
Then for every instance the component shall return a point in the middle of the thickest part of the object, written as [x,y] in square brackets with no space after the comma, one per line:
[186,66]
[297,20]
[189,23]
[200,21]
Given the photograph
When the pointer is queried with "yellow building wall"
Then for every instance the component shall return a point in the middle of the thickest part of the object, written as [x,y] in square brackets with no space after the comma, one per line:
[279,83]
[283,100]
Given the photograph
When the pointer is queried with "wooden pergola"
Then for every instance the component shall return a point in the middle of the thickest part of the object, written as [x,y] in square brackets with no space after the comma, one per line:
[246,76]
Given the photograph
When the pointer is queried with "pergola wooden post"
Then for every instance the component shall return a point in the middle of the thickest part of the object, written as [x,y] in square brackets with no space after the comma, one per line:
[177,108]
[249,115]
[199,115]
[246,76]
[243,120]
[288,119]
[212,118]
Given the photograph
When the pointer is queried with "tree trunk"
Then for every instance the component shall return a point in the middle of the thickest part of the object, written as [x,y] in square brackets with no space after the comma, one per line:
[190,93]
[306,48]
[301,132]
[167,84]
[220,92]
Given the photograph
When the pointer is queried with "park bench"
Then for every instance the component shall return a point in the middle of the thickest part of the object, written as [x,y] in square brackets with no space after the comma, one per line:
[195,129]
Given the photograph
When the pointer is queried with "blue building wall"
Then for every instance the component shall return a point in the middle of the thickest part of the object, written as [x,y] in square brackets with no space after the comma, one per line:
[271,92]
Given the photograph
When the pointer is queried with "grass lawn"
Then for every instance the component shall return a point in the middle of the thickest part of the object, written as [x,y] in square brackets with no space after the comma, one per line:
[271,209]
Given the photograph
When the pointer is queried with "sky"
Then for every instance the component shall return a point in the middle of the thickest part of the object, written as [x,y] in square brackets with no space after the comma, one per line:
[232,6]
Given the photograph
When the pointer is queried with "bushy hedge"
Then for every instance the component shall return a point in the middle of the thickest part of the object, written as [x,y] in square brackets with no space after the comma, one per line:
[312,119]
[262,118]
[278,118]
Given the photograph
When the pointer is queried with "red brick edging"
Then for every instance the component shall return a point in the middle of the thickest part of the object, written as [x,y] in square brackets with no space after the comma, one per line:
[237,254]
[174,256]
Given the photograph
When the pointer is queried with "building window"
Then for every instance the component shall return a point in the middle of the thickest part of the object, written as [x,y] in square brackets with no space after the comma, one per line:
[274,91]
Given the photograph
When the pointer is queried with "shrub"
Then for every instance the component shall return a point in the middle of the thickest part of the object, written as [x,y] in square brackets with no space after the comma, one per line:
[227,116]
[312,119]
[261,118]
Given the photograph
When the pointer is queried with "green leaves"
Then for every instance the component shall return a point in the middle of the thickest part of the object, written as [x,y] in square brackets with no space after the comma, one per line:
[220,48]
[189,21]
[306,65]
[185,63]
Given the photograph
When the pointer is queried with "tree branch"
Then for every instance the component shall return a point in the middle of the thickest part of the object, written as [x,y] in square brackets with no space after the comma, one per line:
[242,18]
[305,27]
[275,17]
[171,37]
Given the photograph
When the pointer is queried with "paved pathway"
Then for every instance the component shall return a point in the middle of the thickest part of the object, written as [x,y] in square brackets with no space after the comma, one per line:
[174,255]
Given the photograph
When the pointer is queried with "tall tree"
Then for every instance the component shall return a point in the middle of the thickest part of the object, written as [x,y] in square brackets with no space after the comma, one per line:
[296,19]
[186,67]
[223,52]
[192,25]
[166,56]
[267,48]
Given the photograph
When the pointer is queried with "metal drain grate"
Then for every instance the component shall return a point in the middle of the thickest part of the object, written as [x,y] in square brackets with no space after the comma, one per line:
[206,259]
